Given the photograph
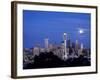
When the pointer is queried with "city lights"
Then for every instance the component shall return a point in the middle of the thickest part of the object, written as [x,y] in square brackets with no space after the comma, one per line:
[64,54]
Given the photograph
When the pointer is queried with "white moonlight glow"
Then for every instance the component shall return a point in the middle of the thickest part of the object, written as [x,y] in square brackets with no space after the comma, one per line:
[81,31]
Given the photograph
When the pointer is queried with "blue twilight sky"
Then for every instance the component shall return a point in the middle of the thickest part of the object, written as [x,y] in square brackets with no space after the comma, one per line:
[38,25]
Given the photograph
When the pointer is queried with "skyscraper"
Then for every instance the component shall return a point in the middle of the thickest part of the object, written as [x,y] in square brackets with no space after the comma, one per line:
[46,43]
[81,46]
[81,49]
[64,37]
[68,41]
[77,45]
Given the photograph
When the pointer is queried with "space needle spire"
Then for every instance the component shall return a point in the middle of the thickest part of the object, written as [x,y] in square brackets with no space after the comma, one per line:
[65,42]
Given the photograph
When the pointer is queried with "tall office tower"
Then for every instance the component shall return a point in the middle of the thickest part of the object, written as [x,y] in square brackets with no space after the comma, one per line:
[81,46]
[76,45]
[46,44]
[77,48]
[81,49]
[68,41]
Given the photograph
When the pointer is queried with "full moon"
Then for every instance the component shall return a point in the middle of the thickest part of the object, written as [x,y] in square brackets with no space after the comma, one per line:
[81,31]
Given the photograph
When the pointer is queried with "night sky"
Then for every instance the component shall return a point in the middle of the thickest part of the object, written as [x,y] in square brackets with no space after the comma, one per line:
[38,25]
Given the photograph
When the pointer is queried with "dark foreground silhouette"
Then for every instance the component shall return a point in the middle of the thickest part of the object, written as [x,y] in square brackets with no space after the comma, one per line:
[49,60]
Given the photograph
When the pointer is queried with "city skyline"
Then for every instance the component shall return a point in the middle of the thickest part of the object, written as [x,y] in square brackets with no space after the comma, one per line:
[66,54]
[39,25]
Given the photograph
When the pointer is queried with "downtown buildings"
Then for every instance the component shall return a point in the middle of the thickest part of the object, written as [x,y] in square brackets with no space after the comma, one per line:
[64,51]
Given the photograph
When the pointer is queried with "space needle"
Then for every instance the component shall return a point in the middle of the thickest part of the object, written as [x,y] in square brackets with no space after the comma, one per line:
[65,41]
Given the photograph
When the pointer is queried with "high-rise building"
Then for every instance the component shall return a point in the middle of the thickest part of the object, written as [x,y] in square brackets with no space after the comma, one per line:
[81,46]
[81,49]
[46,43]
[77,45]
[68,41]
